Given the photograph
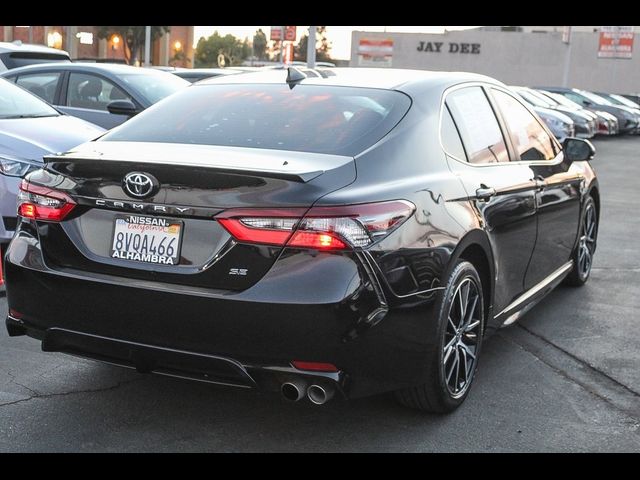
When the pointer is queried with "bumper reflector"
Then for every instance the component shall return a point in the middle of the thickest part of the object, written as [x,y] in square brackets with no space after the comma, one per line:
[314,366]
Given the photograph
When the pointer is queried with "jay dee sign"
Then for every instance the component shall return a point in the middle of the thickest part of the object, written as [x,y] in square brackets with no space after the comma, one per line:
[450,47]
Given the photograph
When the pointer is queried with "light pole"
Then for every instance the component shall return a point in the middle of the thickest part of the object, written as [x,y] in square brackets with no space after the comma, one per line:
[147,46]
[566,38]
[311,48]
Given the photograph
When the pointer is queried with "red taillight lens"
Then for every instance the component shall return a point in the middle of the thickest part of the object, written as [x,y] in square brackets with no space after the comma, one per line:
[314,366]
[322,228]
[321,241]
[42,203]
[263,226]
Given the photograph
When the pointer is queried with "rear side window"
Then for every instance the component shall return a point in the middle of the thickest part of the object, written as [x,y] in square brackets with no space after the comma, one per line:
[43,85]
[308,118]
[529,139]
[478,126]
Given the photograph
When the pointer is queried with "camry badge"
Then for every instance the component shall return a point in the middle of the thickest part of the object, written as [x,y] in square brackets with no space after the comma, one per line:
[139,185]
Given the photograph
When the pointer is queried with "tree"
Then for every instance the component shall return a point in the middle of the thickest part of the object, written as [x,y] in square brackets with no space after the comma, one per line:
[133,39]
[323,46]
[273,50]
[234,50]
[260,45]
[179,56]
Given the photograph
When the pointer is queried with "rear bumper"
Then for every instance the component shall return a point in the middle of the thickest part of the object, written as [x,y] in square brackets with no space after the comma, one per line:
[172,362]
[318,308]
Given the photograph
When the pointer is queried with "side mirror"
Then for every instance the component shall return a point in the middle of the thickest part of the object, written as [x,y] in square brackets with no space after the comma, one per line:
[577,149]
[122,107]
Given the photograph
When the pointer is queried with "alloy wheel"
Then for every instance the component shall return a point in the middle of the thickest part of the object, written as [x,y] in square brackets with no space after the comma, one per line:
[461,337]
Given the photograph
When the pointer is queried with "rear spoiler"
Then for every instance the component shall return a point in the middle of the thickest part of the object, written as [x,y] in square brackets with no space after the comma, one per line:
[288,165]
[299,177]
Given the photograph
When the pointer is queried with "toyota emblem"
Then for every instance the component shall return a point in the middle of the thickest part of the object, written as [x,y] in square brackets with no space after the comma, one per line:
[139,185]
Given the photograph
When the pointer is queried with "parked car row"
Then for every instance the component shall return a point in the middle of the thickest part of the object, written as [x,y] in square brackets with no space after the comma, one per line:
[627,118]
[580,113]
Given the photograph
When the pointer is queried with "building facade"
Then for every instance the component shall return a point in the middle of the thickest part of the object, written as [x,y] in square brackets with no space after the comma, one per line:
[82,42]
[534,56]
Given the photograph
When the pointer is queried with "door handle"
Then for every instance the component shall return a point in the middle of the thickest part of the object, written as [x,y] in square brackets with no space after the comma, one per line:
[541,183]
[484,192]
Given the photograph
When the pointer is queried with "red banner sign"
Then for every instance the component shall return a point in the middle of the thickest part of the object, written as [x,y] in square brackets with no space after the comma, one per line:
[276,33]
[375,52]
[615,42]
[290,33]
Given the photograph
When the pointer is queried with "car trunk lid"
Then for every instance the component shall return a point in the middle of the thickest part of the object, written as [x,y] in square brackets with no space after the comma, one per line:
[194,183]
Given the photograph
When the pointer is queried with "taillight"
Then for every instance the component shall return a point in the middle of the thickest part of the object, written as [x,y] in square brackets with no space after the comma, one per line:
[322,228]
[42,203]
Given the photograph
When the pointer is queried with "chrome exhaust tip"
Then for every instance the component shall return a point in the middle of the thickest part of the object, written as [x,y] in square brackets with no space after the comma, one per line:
[319,395]
[293,391]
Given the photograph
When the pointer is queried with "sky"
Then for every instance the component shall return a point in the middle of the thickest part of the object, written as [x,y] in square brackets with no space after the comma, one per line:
[340,37]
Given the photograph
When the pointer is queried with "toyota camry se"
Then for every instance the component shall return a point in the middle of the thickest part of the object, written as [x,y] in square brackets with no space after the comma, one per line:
[342,235]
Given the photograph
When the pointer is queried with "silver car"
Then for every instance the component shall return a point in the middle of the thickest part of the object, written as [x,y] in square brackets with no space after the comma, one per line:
[17,54]
[29,129]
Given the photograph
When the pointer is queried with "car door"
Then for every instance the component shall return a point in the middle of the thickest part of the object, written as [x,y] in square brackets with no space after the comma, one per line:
[87,95]
[502,191]
[558,195]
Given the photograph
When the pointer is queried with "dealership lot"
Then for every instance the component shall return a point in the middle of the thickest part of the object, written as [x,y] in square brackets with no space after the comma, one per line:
[565,379]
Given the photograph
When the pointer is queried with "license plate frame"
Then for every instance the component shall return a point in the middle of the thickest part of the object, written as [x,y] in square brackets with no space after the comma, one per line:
[155,222]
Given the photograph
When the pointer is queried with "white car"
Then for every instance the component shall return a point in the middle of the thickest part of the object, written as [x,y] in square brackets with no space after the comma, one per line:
[17,54]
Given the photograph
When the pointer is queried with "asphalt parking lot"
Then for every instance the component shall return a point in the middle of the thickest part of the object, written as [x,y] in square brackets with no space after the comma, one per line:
[566,378]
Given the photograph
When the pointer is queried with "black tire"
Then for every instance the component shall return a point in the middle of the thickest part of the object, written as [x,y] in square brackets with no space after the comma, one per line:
[438,394]
[579,275]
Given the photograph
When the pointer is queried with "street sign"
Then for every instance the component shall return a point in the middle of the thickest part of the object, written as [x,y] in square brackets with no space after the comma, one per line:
[290,33]
[615,42]
[276,33]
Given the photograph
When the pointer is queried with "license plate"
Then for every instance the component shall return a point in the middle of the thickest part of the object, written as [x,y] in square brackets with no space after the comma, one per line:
[147,239]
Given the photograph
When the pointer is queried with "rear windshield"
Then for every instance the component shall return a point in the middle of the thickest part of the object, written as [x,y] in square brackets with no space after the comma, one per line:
[18,103]
[20,59]
[308,118]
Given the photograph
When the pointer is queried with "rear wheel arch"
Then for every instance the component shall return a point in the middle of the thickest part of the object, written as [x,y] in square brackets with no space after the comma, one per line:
[595,194]
[474,247]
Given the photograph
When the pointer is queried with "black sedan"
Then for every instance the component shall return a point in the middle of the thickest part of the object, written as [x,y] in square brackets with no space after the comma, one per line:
[105,94]
[321,237]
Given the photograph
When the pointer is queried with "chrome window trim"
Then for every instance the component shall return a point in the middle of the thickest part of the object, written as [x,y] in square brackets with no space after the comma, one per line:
[556,161]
